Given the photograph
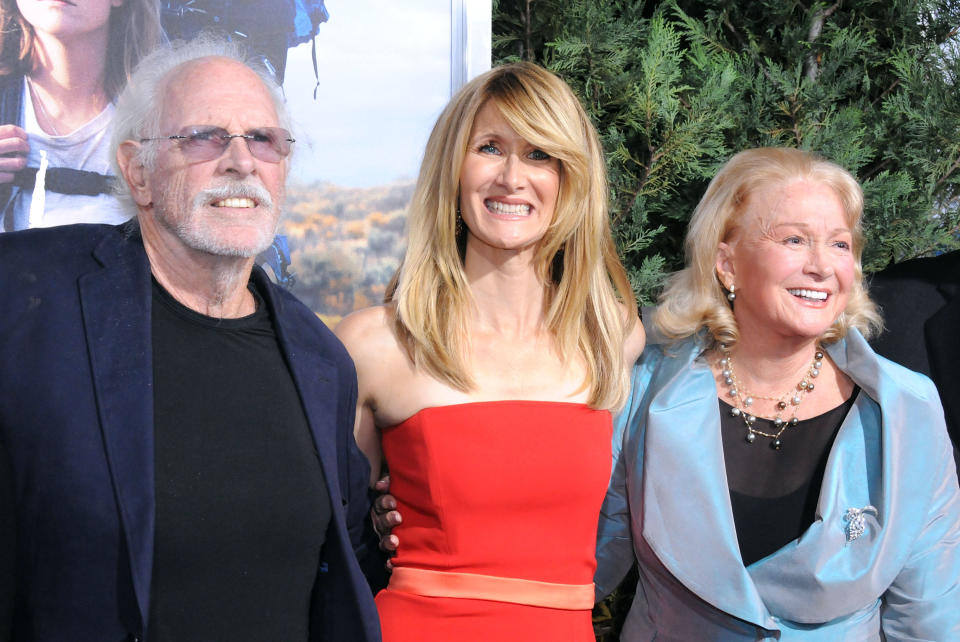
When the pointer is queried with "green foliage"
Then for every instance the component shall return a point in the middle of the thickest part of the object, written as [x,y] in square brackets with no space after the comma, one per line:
[676,87]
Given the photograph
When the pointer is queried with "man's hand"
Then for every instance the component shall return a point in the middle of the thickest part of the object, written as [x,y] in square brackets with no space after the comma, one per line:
[385,516]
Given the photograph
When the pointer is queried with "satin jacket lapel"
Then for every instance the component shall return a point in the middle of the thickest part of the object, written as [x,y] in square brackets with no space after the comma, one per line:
[806,580]
[810,580]
[115,305]
[316,380]
[687,515]
[943,350]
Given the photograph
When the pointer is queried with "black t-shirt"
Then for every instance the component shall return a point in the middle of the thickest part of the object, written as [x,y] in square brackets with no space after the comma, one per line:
[774,493]
[241,503]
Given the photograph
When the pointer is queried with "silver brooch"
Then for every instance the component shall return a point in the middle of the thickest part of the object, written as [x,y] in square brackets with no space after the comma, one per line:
[856,522]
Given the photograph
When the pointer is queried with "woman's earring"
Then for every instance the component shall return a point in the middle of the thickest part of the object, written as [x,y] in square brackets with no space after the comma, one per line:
[731,295]
[458,228]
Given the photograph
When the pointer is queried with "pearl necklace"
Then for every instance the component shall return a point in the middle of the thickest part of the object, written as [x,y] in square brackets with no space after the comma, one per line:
[743,400]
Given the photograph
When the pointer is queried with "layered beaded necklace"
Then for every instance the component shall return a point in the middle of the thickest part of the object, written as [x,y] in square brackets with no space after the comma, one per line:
[743,400]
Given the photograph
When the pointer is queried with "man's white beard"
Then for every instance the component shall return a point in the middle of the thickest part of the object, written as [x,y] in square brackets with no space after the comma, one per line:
[197,231]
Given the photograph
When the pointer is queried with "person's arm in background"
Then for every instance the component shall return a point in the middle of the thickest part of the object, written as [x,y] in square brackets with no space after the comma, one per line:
[912,295]
[385,516]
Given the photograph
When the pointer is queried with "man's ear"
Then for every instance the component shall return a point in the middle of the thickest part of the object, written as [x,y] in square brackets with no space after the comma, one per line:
[134,173]
[724,265]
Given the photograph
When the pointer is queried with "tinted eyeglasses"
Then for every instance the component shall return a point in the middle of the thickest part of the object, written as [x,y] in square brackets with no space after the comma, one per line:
[203,143]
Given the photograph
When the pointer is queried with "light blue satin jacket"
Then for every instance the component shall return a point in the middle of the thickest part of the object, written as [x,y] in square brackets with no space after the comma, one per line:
[668,505]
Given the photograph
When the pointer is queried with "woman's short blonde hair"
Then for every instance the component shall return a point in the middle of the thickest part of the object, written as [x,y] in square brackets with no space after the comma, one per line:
[585,283]
[694,298]
[134,32]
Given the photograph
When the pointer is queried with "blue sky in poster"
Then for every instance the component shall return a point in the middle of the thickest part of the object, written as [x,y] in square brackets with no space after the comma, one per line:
[384,69]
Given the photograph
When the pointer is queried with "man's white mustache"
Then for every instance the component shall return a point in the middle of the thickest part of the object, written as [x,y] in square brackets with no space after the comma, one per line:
[216,193]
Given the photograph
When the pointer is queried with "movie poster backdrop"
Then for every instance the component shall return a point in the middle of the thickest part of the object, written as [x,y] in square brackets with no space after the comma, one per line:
[364,81]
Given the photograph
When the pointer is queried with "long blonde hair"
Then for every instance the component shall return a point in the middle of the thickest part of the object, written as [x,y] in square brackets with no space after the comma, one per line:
[586,286]
[694,298]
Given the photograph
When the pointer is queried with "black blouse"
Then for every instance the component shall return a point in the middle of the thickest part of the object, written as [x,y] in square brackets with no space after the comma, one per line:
[774,493]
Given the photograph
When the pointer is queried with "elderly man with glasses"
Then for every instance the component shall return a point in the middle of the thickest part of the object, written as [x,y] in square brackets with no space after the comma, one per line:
[176,451]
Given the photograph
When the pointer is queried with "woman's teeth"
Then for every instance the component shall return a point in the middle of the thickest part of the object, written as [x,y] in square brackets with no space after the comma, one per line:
[235,202]
[507,208]
[816,295]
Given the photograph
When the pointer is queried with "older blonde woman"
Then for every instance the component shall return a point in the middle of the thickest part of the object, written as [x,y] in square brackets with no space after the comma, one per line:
[774,478]
[493,366]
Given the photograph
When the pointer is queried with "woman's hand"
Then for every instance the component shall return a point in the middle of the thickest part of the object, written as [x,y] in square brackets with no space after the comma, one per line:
[13,151]
[385,516]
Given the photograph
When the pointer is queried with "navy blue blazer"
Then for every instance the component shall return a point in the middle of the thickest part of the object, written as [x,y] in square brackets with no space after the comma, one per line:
[76,432]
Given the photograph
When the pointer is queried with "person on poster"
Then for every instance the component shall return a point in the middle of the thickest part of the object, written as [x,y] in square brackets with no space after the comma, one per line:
[493,366]
[266,28]
[62,65]
[774,478]
[176,431]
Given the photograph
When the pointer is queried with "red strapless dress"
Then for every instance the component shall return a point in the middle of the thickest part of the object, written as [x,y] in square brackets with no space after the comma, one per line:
[500,502]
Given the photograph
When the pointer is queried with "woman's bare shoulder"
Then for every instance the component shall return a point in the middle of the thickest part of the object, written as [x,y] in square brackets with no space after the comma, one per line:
[365,320]
[368,332]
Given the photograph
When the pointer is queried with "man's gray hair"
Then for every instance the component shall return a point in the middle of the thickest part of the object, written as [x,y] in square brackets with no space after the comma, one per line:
[140,105]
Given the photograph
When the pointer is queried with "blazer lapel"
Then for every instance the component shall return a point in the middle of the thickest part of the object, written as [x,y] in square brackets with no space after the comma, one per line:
[687,515]
[808,580]
[317,382]
[115,305]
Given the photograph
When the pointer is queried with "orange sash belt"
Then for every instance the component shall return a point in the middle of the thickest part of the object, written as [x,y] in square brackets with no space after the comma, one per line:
[573,597]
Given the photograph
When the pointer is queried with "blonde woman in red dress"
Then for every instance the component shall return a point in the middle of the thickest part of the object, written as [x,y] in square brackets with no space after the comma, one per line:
[487,379]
